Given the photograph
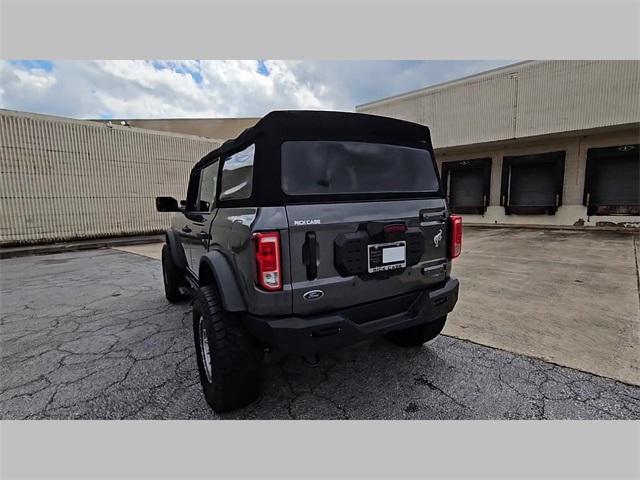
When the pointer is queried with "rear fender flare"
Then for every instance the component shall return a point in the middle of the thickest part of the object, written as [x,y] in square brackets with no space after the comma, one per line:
[225,279]
[176,250]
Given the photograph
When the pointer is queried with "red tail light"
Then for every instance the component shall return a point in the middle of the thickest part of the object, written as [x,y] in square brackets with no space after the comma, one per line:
[455,236]
[267,245]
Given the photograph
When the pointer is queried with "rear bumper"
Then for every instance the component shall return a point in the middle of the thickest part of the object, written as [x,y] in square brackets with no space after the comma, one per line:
[319,333]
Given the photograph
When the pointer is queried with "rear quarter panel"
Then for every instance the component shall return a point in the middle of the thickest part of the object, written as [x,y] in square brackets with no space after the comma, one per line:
[231,233]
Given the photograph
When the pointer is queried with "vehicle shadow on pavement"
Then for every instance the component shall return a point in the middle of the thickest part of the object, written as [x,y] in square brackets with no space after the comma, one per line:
[446,379]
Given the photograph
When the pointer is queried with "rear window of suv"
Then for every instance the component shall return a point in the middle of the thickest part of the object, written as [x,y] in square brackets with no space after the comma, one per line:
[334,167]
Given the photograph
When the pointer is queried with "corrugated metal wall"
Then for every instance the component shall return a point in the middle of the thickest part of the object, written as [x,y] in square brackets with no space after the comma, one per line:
[464,114]
[526,99]
[562,96]
[65,179]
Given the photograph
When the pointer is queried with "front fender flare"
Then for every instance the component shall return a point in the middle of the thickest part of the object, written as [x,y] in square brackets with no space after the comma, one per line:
[175,249]
[226,281]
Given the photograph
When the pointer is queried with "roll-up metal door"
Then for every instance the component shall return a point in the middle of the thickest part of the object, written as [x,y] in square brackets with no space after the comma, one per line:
[532,183]
[612,183]
[466,185]
[466,188]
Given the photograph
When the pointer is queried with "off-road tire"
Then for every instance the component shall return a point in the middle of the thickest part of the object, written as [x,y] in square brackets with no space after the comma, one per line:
[236,357]
[172,277]
[418,334]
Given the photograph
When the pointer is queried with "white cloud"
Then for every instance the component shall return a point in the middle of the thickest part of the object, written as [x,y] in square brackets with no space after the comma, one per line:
[212,88]
[33,80]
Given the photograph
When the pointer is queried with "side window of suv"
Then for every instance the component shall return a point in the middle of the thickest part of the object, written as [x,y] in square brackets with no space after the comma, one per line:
[207,188]
[237,175]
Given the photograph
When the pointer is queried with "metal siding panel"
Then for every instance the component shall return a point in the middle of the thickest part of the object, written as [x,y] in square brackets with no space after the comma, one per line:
[67,179]
[467,113]
[528,99]
[473,112]
[559,96]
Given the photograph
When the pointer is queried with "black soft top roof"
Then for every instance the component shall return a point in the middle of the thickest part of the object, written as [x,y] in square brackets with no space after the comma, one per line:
[278,127]
[296,123]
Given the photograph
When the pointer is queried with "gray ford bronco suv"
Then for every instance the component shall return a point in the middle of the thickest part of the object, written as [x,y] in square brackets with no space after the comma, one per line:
[309,231]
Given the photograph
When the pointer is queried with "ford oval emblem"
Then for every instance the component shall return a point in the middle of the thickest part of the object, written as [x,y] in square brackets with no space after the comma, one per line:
[313,295]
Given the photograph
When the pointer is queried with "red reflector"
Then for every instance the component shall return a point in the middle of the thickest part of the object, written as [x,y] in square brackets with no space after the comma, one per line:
[455,236]
[395,227]
[268,268]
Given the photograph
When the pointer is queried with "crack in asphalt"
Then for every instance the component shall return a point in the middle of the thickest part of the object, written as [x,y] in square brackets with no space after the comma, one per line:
[76,343]
[424,381]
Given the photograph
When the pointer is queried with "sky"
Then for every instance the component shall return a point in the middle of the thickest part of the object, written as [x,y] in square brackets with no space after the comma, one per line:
[213,88]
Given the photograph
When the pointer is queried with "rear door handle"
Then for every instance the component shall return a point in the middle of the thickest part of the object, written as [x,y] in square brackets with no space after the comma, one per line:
[204,235]
[186,229]
[310,255]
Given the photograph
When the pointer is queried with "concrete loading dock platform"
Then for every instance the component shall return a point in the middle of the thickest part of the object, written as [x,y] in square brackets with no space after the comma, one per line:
[569,297]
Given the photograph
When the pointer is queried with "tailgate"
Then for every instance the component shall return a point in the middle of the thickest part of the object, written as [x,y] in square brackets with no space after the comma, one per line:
[345,254]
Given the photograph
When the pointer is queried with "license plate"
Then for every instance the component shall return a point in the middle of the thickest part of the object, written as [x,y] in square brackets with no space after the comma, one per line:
[386,256]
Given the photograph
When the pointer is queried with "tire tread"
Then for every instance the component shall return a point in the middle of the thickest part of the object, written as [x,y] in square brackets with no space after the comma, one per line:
[238,358]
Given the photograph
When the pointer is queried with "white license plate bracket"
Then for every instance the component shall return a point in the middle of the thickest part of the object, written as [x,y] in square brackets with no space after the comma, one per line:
[382,257]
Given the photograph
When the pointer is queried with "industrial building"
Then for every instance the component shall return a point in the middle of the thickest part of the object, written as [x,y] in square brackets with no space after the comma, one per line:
[533,143]
[538,142]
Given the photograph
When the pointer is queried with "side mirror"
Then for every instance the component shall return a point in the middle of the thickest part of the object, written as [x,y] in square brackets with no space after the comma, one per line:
[167,204]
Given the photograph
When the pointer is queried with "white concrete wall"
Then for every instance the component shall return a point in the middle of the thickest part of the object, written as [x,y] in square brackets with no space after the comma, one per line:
[63,179]
[572,211]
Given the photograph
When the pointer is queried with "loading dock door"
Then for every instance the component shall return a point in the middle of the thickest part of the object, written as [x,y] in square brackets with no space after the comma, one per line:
[532,184]
[612,182]
[467,185]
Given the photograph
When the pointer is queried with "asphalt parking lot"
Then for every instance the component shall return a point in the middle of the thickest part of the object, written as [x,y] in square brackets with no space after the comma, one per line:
[90,335]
